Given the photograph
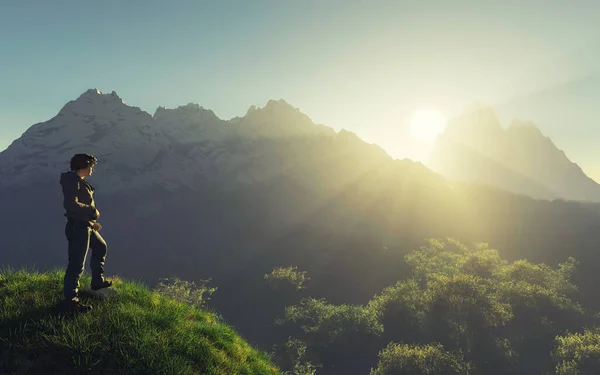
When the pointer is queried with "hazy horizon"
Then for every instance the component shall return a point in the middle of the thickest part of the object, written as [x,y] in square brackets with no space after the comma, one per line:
[363,67]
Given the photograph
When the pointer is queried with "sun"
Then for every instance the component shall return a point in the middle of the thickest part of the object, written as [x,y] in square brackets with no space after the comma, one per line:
[427,124]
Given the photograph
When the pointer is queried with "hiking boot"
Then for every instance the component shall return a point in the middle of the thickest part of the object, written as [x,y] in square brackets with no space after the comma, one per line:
[105,284]
[76,306]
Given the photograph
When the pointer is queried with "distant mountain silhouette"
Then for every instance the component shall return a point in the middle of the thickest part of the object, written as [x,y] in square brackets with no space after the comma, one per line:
[520,159]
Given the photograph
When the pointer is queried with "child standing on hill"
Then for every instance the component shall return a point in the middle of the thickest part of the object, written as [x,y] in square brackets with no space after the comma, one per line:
[82,231]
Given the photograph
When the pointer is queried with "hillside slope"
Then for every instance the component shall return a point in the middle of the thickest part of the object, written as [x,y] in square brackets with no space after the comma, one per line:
[137,332]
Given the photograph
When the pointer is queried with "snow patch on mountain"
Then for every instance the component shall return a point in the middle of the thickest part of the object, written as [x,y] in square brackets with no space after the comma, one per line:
[125,139]
[277,119]
[190,124]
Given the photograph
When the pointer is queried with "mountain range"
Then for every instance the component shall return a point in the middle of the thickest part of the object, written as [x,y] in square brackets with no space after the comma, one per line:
[475,148]
[184,193]
[167,150]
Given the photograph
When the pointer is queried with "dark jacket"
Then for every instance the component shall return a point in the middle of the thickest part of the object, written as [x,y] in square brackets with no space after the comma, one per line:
[78,198]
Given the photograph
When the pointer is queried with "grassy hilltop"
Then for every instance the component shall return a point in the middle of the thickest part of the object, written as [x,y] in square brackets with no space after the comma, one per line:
[137,332]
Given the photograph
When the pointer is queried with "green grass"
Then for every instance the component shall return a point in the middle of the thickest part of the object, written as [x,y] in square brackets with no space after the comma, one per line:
[136,332]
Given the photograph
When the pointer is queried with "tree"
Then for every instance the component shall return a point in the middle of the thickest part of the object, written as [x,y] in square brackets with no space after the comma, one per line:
[340,337]
[495,311]
[578,353]
[283,277]
[431,359]
[185,291]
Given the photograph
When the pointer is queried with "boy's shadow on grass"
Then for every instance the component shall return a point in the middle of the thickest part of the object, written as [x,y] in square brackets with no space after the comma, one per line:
[57,309]
[14,330]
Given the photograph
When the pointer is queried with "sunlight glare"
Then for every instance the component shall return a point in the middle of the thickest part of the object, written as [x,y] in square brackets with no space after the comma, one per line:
[427,124]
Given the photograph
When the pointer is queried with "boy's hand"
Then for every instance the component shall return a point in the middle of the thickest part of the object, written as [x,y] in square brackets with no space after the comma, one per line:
[97,214]
[96,226]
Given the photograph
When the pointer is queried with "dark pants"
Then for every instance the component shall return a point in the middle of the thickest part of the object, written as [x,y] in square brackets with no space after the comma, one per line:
[81,237]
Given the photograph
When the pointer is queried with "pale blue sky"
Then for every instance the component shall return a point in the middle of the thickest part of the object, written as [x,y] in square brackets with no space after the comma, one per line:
[361,65]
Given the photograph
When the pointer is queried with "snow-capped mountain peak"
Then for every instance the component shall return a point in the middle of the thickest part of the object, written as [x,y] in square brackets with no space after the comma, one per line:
[190,113]
[94,102]
[170,149]
[278,119]
[190,123]
[101,124]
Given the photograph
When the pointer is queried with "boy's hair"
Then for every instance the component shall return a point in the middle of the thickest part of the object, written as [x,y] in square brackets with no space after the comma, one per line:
[81,161]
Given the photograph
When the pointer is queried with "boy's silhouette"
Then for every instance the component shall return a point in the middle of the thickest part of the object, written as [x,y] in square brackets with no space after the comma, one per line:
[82,231]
